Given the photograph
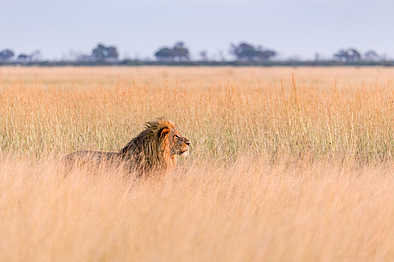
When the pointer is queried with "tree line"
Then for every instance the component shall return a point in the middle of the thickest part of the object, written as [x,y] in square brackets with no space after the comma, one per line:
[179,53]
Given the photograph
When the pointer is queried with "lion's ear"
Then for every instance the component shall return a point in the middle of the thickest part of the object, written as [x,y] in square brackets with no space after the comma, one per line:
[164,132]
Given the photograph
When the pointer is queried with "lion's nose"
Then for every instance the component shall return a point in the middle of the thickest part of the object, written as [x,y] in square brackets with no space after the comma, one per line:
[187,142]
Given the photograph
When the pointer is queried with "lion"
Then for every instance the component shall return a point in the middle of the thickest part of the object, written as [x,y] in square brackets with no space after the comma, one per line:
[155,149]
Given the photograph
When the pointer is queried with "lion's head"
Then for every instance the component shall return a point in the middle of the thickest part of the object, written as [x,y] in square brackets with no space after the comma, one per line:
[156,148]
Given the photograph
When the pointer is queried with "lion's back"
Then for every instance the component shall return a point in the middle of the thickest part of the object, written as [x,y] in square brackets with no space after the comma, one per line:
[90,158]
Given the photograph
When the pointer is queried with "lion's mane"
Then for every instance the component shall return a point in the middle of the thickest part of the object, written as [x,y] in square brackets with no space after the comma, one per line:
[151,149]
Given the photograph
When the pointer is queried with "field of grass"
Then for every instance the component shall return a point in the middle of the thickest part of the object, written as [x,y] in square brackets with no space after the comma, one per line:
[286,164]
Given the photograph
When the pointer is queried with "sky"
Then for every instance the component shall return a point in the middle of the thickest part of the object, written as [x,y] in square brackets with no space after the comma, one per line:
[294,28]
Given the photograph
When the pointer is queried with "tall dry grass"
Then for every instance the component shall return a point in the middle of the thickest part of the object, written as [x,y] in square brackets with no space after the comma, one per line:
[286,165]
[227,112]
[251,211]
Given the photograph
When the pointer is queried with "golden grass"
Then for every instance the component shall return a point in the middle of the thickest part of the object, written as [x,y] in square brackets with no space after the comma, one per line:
[322,113]
[286,165]
[250,211]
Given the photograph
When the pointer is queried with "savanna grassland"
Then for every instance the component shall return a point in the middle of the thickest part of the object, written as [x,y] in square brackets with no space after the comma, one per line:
[286,164]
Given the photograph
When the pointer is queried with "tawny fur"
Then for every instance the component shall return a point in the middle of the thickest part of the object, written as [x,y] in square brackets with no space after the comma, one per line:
[155,149]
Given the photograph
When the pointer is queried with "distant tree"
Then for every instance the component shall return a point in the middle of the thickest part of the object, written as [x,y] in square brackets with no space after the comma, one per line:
[243,51]
[165,54]
[371,55]
[203,55]
[179,52]
[104,53]
[36,55]
[6,54]
[33,56]
[23,58]
[353,55]
[265,54]
[348,55]
[247,52]
[340,55]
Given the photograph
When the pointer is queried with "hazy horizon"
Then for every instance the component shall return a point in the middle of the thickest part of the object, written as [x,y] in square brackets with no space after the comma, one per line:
[300,28]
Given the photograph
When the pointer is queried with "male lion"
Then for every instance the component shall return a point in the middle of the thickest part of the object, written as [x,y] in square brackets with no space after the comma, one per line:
[155,149]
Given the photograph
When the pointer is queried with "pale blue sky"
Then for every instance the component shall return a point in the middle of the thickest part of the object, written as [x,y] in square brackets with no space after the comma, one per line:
[298,27]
